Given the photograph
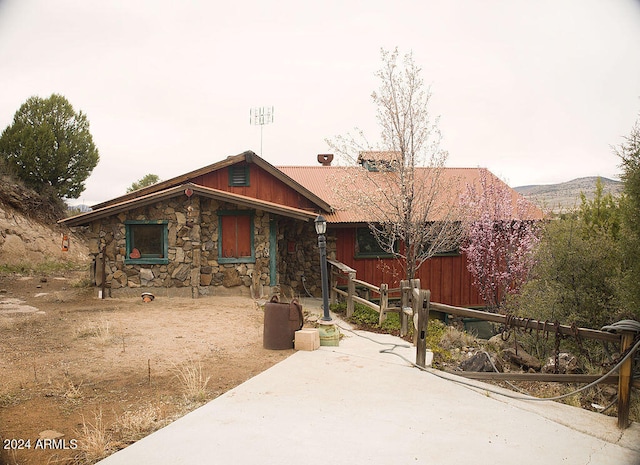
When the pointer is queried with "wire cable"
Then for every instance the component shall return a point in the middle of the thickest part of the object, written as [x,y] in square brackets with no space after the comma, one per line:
[450,377]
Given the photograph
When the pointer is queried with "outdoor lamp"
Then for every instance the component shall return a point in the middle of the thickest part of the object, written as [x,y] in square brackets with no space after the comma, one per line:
[321,225]
[321,228]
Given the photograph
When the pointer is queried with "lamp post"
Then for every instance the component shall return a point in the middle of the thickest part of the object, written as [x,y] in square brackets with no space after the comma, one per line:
[321,229]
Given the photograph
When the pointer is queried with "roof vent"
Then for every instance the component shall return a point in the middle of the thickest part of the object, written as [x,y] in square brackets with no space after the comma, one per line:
[325,159]
[380,160]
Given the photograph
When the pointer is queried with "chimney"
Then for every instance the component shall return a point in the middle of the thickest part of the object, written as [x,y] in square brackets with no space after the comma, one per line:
[325,159]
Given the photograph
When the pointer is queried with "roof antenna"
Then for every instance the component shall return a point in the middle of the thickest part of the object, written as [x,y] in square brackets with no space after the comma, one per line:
[261,116]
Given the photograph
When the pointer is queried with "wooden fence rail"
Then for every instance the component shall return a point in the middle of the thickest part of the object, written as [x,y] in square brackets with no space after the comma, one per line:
[415,303]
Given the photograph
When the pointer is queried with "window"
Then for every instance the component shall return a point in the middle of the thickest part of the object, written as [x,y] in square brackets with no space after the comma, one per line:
[146,242]
[367,245]
[239,175]
[235,241]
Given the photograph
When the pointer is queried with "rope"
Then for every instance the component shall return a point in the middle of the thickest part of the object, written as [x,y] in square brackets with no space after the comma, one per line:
[623,325]
[448,377]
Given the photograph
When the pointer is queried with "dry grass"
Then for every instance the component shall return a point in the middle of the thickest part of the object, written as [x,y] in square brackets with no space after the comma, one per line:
[454,338]
[94,442]
[97,440]
[101,330]
[193,380]
[136,424]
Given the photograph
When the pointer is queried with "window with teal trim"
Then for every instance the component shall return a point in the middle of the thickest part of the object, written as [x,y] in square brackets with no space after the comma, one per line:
[146,242]
[367,246]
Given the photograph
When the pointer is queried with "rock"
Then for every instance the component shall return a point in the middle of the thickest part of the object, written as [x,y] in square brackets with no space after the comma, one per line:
[231,278]
[205,279]
[146,275]
[182,272]
[119,279]
[521,358]
[478,362]
[497,341]
[567,363]
[50,434]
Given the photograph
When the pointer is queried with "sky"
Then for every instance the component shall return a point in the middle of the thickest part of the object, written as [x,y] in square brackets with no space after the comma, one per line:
[538,91]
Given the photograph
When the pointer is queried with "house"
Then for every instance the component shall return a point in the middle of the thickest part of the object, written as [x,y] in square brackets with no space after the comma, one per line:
[245,224]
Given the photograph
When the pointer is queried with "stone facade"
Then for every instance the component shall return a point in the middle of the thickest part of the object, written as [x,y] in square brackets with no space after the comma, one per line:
[192,250]
[193,267]
[299,257]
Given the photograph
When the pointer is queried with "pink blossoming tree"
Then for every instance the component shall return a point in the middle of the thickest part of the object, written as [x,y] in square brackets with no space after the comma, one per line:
[500,239]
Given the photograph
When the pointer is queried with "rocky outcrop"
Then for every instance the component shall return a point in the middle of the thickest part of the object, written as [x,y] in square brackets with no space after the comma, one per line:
[26,241]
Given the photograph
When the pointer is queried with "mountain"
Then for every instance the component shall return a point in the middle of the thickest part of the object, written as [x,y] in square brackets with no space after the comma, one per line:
[565,196]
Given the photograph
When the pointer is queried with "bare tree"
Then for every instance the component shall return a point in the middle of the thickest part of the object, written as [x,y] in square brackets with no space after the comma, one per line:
[410,204]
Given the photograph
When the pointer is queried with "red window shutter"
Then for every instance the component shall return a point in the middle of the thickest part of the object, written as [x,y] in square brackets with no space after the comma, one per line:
[229,236]
[244,236]
[236,236]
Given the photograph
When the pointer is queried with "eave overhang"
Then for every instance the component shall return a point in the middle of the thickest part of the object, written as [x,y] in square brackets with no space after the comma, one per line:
[248,157]
[223,196]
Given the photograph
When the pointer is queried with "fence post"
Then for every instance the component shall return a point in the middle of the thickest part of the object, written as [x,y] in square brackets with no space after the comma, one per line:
[624,380]
[333,281]
[415,286]
[384,302]
[405,290]
[351,290]
[421,330]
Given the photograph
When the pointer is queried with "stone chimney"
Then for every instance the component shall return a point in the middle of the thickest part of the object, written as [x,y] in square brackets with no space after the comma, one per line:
[325,159]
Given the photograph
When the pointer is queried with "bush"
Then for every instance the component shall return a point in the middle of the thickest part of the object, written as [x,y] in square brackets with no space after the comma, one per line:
[368,318]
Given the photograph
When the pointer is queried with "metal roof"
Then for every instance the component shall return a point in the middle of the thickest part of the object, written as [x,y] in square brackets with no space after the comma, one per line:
[345,194]
[357,195]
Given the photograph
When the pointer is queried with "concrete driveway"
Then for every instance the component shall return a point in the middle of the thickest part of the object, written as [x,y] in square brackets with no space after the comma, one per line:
[353,404]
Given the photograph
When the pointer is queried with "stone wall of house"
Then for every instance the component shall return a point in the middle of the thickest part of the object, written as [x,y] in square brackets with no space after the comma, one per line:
[192,250]
[299,257]
[252,275]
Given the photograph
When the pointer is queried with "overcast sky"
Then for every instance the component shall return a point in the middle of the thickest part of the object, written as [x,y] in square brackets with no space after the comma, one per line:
[537,91]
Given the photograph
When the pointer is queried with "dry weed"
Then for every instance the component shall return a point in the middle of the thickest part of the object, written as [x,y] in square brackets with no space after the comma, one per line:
[94,442]
[73,391]
[454,338]
[193,380]
[136,424]
[101,330]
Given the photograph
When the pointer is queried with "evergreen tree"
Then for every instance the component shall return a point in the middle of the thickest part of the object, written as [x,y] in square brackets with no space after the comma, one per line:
[49,146]
[146,180]
[629,153]
[578,267]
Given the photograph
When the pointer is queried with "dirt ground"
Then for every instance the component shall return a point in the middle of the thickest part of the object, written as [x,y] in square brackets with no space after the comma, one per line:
[88,374]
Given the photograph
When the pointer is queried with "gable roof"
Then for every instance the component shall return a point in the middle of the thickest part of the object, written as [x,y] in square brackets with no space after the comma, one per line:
[323,186]
[247,157]
[175,191]
[328,182]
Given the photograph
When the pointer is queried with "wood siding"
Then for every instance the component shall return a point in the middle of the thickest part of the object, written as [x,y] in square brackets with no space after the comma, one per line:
[262,185]
[446,277]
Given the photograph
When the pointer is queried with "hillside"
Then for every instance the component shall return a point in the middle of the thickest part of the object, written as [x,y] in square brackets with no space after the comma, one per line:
[565,196]
[29,235]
